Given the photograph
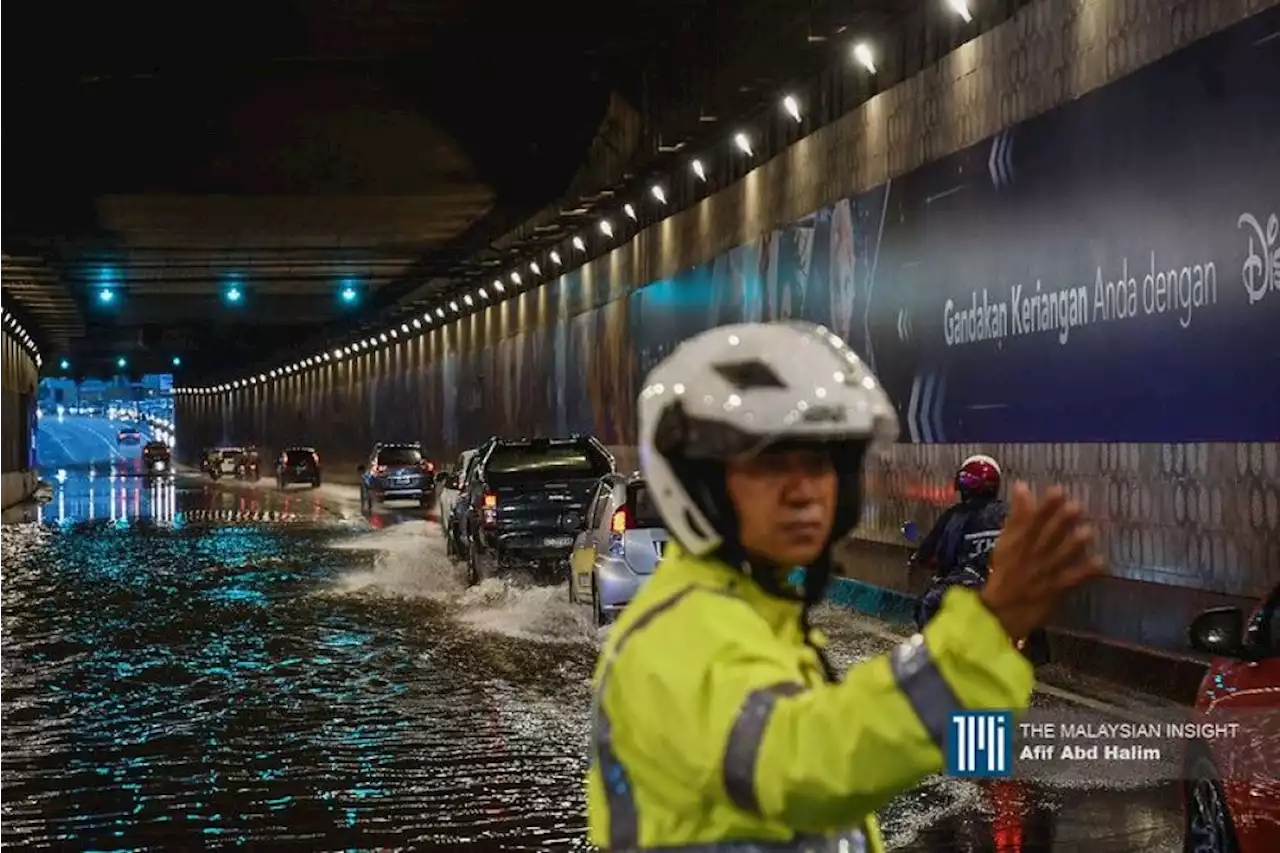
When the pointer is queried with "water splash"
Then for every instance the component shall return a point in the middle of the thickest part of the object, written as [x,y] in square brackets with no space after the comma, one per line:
[410,562]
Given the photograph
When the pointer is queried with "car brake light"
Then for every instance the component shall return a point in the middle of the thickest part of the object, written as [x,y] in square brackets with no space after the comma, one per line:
[620,523]
[379,470]
[428,466]
[489,509]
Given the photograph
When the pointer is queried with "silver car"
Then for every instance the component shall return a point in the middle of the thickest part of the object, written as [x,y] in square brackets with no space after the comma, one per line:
[619,548]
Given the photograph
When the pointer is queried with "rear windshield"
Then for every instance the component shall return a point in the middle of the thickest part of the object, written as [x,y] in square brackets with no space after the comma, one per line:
[567,460]
[297,457]
[156,447]
[399,456]
[641,507]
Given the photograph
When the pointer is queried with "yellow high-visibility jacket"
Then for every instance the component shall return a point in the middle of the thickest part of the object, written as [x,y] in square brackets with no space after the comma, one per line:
[714,727]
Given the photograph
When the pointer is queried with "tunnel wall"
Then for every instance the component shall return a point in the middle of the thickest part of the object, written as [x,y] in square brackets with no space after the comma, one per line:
[18,379]
[941,196]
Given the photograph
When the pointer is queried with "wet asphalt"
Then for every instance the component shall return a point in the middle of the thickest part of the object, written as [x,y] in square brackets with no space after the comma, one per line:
[189,665]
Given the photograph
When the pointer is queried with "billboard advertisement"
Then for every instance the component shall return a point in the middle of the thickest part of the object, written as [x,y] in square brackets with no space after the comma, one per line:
[1108,271]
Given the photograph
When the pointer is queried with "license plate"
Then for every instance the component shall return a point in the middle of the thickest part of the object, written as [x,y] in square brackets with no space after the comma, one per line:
[557,541]
[399,481]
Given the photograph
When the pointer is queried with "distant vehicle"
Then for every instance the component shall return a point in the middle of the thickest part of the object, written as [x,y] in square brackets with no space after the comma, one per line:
[1232,794]
[447,490]
[619,548]
[524,504]
[248,466]
[129,435]
[298,465]
[156,459]
[397,472]
[221,461]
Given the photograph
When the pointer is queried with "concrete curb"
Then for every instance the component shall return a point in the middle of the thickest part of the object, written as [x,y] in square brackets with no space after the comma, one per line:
[1160,673]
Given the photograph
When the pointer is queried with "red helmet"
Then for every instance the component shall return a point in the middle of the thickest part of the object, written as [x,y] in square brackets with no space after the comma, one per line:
[978,475]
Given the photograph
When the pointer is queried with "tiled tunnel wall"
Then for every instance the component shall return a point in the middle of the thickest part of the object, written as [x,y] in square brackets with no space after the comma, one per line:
[1187,525]
[18,392]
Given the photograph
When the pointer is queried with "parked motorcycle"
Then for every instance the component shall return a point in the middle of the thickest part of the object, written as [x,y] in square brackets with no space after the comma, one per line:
[1035,646]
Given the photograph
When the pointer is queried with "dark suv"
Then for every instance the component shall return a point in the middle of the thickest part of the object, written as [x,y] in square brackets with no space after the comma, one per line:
[156,459]
[397,472]
[525,501]
[298,465]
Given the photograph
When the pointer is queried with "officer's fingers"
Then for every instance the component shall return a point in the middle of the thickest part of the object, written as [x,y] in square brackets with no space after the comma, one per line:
[1092,567]
[1074,549]
[1022,511]
[1059,528]
[1050,505]
[1021,504]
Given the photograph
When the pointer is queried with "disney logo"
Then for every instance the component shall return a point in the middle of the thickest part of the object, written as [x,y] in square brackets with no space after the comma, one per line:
[1261,272]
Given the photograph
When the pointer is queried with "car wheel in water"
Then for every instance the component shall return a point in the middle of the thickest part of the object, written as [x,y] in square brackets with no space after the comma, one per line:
[473,570]
[1208,828]
[601,618]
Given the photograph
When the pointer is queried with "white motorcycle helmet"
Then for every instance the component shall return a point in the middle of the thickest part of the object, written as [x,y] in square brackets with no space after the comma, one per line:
[741,388]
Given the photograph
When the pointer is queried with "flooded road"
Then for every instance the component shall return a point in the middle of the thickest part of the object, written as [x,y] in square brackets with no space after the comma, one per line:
[189,666]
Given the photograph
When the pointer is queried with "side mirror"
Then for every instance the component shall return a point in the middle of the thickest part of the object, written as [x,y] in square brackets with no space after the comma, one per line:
[1218,631]
[911,532]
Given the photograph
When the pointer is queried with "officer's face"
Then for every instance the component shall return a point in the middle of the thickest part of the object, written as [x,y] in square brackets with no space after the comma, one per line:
[786,503]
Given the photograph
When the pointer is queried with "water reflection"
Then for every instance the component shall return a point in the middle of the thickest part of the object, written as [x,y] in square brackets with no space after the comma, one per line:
[121,500]
[177,688]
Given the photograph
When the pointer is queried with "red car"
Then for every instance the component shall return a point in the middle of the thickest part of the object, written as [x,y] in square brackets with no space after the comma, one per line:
[1232,792]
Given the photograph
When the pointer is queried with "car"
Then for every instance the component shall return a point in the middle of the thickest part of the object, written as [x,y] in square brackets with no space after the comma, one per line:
[219,461]
[156,459]
[448,488]
[1231,796]
[618,549]
[298,465]
[524,501]
[397,472]
[129,435]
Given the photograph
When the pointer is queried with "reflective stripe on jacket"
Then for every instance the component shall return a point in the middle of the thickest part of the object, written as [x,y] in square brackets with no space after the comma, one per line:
[715,729]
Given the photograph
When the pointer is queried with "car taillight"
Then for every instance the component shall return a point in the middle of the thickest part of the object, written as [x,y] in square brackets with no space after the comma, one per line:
[428,467]
[489,509]
[379,470]
[315,457]
[620,523]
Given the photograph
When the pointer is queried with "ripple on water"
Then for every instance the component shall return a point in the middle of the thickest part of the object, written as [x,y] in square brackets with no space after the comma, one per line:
[190,688]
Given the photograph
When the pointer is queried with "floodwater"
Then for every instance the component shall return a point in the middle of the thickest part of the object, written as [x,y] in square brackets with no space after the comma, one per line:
[190,666]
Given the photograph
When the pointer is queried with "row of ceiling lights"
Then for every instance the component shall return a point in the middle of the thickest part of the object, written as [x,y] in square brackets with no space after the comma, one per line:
[497,290]
[20,333]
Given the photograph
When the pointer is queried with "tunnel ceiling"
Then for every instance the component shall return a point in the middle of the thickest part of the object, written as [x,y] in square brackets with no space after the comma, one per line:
[165,151]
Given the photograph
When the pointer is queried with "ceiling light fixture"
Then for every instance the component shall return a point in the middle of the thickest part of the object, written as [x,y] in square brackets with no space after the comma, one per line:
[862,53]
[743,143]
[792,106]
[698,170]
[629,211]
[961,8]
[658,193]
[555,257]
